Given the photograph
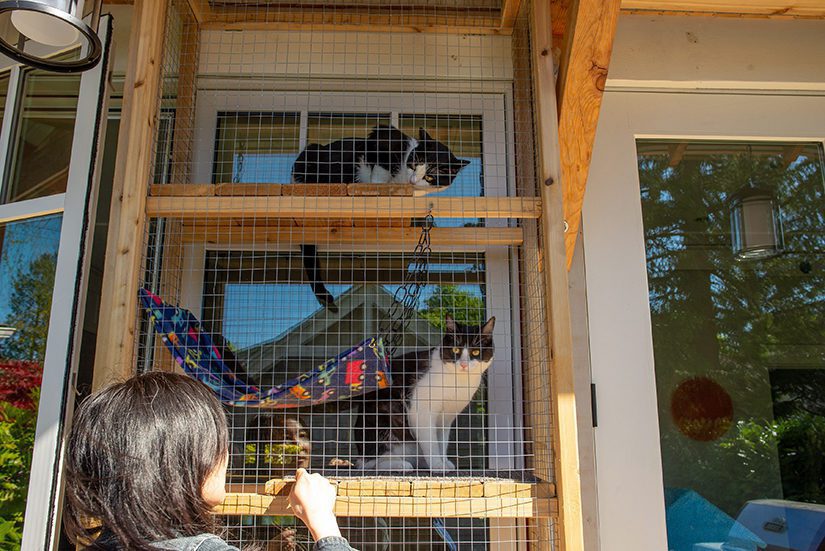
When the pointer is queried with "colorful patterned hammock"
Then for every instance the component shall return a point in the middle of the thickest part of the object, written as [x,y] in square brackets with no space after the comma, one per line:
[359,370]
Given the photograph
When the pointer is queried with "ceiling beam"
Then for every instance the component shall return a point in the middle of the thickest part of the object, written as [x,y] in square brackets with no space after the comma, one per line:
[590,29]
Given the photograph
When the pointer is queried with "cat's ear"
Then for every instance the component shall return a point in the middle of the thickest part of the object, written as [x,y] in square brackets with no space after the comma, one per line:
[487,329]
[449,323]
[423,135]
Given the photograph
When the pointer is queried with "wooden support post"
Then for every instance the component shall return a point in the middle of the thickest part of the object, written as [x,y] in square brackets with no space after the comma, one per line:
[566,456]
[124,249]
[585,57]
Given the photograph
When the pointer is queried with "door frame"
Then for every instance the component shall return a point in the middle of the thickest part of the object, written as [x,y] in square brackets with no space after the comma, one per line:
[78,204]
[629,482]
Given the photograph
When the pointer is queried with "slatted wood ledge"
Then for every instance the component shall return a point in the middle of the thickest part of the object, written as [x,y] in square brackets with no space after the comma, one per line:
[414,497]
[363,208]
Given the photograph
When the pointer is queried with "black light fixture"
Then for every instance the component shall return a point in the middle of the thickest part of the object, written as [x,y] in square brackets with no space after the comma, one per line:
[41,33]
[756,223]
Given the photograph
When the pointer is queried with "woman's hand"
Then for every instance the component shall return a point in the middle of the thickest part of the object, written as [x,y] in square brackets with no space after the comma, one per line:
[312,500]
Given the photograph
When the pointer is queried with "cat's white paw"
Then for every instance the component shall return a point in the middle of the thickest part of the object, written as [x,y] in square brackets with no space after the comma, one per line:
[393,464]
[441,464]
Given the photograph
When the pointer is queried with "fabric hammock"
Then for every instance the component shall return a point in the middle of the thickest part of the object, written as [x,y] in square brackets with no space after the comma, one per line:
[359,370]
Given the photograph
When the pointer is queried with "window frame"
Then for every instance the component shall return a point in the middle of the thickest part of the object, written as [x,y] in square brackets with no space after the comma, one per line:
[504,386]
[77,206]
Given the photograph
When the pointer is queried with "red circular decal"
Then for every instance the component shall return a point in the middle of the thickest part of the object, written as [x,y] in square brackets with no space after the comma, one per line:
[701,408]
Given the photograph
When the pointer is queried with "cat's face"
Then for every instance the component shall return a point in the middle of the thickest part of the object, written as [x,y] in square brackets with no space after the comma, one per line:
[432,163]
[468,348]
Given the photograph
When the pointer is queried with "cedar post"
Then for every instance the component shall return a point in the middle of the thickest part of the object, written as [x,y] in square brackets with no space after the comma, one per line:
[565,434]
[124,248]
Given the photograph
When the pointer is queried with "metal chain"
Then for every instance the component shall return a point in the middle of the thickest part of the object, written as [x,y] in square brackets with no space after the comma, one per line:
[236,178]
[405,300]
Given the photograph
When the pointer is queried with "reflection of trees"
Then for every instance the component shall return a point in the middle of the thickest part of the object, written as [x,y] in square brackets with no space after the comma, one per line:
[463,306]
[730,320]
[30,305]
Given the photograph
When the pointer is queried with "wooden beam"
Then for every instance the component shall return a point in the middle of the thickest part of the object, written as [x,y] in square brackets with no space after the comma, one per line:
[400,507]
[124,249]
[565,432]
[365,208]
[200,10]
[412,497]
[582,75]
[204,231]
[768,8]
[372,21]
[509,12]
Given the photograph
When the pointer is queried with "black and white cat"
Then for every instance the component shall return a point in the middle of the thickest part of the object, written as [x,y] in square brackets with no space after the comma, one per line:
[407,426]
[386,156]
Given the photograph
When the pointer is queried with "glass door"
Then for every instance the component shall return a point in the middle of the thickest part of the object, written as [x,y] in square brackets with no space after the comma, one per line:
[703,240]
[735,243]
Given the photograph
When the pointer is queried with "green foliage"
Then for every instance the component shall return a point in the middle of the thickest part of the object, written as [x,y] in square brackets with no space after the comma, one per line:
[16,445]
[463,306]
[30,303]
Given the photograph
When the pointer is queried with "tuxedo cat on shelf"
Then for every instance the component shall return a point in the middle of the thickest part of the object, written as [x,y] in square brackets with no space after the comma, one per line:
[385,156]
[407,426]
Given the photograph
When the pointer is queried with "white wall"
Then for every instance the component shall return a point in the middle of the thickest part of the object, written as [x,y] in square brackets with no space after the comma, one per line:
[718,53]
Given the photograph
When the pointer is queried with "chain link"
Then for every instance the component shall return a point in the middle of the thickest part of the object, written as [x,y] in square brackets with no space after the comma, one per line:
[405,300]
[236,178]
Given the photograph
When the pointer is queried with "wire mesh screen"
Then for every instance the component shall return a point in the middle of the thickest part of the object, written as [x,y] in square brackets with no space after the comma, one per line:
[364,201]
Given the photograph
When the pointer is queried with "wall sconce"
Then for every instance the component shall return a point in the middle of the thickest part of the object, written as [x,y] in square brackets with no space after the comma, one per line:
[33,31]
[756,224]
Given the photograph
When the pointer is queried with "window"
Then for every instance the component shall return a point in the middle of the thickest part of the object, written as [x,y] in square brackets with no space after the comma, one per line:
[28,260]
[43,143]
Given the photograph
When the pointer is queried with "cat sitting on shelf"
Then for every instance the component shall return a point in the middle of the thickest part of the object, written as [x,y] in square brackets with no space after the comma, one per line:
[385,156]
[407,426]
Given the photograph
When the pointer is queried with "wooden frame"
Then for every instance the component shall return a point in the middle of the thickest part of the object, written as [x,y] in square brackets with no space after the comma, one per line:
[565,432]
[270,205]
[118,309]
[452,498]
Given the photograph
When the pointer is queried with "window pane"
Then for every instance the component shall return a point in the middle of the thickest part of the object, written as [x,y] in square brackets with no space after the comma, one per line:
[735,238]
[28,257]
[256,147]
[323,128]
[43,145]
[4,91]
[261,303]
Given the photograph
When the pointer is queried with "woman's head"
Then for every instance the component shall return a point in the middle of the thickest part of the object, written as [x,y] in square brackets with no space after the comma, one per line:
[147,459]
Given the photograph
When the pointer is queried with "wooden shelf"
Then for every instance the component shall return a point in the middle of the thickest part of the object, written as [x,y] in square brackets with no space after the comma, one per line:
[369,208]
[414,497]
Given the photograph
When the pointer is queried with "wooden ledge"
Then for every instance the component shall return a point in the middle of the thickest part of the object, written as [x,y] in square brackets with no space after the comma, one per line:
[342,207]
[394,497]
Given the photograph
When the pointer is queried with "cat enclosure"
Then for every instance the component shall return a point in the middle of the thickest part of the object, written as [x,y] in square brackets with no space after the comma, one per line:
[230,94]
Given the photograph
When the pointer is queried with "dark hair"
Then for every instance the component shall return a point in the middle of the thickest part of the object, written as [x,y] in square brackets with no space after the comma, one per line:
[137,458]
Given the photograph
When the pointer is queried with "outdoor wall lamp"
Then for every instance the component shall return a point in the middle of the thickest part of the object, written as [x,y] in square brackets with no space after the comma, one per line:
[756,224]
[34,31]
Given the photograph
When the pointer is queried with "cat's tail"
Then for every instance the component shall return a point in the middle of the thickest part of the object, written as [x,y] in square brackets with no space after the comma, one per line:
[312,268]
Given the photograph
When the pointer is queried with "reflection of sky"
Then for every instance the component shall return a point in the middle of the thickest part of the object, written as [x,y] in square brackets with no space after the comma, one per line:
[261,312]
[24,242]
[271,168]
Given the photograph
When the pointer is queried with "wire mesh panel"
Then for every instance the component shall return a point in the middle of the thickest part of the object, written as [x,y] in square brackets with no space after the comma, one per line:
[320,186]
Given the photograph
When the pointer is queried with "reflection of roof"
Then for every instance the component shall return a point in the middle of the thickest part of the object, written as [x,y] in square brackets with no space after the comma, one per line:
[325,334]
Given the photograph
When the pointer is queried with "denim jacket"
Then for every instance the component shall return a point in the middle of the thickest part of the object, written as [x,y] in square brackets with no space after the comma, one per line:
[211,542]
